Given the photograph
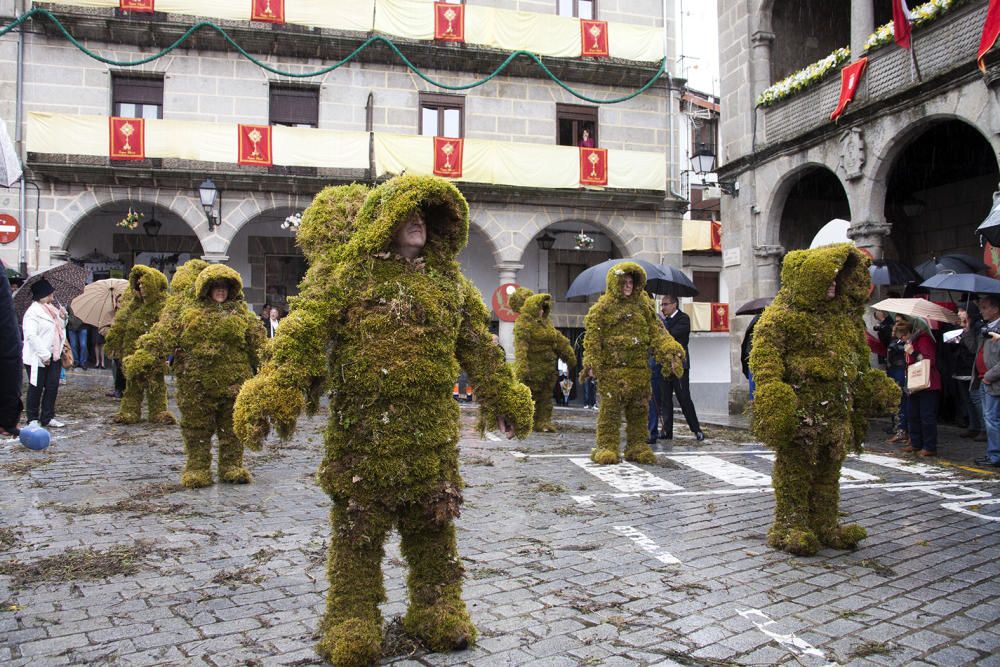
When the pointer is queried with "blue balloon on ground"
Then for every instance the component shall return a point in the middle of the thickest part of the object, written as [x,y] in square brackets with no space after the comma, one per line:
[34,437]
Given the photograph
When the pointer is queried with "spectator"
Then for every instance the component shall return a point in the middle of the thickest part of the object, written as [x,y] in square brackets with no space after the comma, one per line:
[896,369]
[271,324]
[987,377]
[589,389]
[44,329]
[964,353]
[919,345]
[678,324]
[586,140]
[99,360]
[11,374]
[76,330]
[265,314]
[745,352]
[566,386]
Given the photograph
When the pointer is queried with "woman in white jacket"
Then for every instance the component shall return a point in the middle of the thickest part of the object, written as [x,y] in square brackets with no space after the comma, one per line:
[44,327]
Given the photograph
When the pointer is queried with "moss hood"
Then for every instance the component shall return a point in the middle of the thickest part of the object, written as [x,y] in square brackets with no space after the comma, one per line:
[329,220]
[219,273]
[154,283]
[517,299]
[445,211]
[806,275]
[186,274]
[617,273]
[537,306]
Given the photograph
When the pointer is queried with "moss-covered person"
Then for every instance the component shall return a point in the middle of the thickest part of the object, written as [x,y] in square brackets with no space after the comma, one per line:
[815,392]
[621,328]
[537,346]
[139,310]
[397,317]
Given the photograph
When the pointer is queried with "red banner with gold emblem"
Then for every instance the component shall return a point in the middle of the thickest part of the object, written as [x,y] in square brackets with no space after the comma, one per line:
[594,38]
[593,166]
[255,145]
[449,22]
[720,317]
[717,236]
[127,138]
[270,11]
[448,157]
[136,5]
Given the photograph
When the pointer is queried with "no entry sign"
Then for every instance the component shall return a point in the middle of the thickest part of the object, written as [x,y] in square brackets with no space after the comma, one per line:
[9,228]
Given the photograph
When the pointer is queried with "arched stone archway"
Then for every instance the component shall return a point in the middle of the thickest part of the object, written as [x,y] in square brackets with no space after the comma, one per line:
[805,199]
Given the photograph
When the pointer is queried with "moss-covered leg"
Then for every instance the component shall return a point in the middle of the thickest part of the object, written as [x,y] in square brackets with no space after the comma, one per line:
[351,629]
[792,478]
[437,614]
[543,410]
[197,426]
[130,408]
[608,430]
[231,470]
[156,400]
[824,503]
[636,415]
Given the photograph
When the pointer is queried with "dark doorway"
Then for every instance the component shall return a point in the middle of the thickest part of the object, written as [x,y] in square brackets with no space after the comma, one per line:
[815,199]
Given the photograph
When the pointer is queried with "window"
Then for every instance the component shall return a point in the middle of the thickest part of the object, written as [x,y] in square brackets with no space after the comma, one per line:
[442,115]
[705,131]
[294,106]
[581,9]
[707,284]
[572,121]
[136,97]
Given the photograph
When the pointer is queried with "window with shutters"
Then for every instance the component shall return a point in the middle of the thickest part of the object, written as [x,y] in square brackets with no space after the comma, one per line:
[136,97]
[442,115]
[294,106]
[572,121]
[707,284]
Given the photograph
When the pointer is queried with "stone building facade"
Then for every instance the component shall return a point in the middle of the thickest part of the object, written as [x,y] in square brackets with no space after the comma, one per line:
[74,199]
[911,164]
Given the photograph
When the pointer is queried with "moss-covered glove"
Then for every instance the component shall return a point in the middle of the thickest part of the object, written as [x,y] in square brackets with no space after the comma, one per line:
[264,401]
[774,419]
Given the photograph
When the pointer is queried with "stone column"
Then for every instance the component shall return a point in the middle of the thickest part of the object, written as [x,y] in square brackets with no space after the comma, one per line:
[508,274]
[869,235]
[768,263]
[862,25]
[760,61]
[215,258]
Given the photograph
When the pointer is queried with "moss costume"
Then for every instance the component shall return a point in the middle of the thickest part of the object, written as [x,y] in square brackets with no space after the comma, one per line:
[537,344]
[620,332]
[815,392]
[136,315]
[397,330]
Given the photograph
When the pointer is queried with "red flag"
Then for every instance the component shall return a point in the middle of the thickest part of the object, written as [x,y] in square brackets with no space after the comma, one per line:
[448,157]
[901,23]
[269,11]
[593,38]
[254,145]
[720,317]
[991,30]
[850,77]
[717,236]
[136,5]
[127,139]
[449,22]
[593,166]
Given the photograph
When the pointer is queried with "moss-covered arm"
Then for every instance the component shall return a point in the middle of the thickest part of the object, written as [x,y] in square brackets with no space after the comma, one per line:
[775,403]
[500,394]
[667,351]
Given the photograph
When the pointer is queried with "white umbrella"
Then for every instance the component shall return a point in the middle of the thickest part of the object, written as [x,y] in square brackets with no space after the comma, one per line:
[922,308]
[834,231]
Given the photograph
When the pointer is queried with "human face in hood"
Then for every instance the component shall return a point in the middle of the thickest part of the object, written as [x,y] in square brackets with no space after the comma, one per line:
[411,236]
[627,286]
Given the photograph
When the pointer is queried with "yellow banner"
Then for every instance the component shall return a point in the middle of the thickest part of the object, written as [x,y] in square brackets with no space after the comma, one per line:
[700,314]
[696,235]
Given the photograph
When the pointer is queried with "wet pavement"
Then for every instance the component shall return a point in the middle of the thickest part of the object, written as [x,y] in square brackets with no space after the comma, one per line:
[105,560]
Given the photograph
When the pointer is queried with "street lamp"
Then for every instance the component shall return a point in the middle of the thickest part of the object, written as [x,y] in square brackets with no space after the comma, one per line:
[152,226]
[210,195]
[546,241]
[703,163]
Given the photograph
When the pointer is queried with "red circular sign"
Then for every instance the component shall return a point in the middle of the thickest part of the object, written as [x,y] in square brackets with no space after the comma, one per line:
[501,302]
[991,256]
[9,229]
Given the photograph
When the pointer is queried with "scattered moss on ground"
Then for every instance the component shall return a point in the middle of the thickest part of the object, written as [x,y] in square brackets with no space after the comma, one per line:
[871,647]
[477,461]
[487,573]
[877,567]
[8,538]
[81,564]
[397,644]
[243,575]
[140,501]
[25,466]
[550,487]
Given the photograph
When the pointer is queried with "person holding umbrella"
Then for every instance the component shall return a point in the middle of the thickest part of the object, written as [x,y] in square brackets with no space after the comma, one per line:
[10,361]
[44,327]
[918,345]
[986,377]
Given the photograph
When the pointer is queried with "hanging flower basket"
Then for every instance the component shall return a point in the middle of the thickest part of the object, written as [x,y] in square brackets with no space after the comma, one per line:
[292,222]
[584,242]
[131,219]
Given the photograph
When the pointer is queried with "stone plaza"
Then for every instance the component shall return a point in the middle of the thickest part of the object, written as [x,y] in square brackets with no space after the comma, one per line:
[105,559]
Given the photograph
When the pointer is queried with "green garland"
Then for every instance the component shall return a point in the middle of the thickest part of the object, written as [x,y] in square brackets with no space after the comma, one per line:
[44,13]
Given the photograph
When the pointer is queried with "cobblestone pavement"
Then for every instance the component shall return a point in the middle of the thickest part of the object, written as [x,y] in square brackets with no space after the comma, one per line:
[105,560]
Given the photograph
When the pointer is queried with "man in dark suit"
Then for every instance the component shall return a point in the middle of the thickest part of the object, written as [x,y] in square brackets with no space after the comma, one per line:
[679,326]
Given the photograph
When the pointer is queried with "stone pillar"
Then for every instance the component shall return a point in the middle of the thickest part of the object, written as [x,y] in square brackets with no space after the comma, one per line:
[869,235]
[215,258]
[862,25]
[768,263]
[507,272]
[760,61]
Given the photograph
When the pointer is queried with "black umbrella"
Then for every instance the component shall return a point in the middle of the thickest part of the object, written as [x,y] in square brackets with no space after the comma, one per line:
[891,272]
[755,306]
[67,279]
[659,279]
[972,283]
[953,263]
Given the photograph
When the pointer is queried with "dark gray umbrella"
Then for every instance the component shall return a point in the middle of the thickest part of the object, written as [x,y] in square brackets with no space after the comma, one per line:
[953,263]
[891,272]
[755,306]
[67,279]
[659,279]
[972,283]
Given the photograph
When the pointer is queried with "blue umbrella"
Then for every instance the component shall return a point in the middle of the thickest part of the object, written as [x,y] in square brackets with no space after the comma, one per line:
[891,272]
[972,283]
[659,279]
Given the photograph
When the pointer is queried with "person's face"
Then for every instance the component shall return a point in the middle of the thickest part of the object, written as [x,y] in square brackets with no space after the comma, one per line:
[266,312]
[411,236]
[900,319]
[668,307]
[47,299]
[273,314]
[989,311]
[138,289]
[831,291]
[627,286]
[220,294]
[586,134]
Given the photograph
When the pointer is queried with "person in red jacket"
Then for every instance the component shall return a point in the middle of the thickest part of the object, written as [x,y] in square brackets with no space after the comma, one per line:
[924,403]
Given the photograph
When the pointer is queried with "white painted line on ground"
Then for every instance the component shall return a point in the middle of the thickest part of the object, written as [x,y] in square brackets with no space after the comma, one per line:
[648,545]
[794,644]
[584,501]
[920,469]
[490,435]
[721,469]
[968,508]
[626,477]
[846,474]
[967,493]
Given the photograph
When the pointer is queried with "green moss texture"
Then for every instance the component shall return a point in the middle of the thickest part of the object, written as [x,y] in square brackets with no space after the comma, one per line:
[620,332]
[815,392]
[537,345]
[136,315]
[385,336]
